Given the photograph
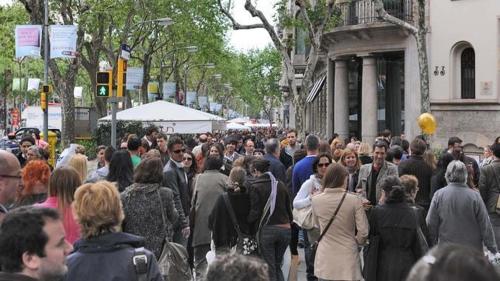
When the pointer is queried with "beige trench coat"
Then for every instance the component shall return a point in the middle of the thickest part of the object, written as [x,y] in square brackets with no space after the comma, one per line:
[337,257]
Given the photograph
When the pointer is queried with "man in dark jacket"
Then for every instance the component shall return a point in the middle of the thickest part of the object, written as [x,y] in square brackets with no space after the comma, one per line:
[416,166]
[286,154]
[489,186]
[455,148]
[33,245]
[175,178]
[272,155]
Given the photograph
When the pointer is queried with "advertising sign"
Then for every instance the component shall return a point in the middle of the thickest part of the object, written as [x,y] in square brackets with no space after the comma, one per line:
[28,40]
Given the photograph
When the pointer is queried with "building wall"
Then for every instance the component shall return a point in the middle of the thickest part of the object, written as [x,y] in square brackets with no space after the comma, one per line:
[476,23]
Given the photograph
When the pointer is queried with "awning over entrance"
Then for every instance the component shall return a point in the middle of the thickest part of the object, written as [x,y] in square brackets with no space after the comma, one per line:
[316,89]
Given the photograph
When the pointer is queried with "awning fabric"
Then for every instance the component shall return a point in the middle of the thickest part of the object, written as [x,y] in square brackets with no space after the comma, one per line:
[316,89]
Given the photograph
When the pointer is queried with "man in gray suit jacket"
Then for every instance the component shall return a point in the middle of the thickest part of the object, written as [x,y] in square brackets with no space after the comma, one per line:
[370,175]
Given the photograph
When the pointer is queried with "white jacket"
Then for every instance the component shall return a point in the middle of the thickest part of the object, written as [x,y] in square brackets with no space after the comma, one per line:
[303,197]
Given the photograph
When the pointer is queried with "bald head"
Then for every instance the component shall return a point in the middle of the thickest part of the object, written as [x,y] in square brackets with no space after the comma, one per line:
[10,170]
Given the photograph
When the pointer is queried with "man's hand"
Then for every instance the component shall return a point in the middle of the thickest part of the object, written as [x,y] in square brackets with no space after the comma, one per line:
[186,231]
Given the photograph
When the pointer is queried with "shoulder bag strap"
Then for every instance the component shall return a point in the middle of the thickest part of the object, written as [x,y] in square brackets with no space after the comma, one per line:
[162,210]
[140,262]
[333,217]
[230,210]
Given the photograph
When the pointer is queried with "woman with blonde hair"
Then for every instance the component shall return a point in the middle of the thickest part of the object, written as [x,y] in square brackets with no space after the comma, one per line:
[62,186]
[337,147]
[104,253]
[364,153]
[343,226]
[351,162]
[79,163]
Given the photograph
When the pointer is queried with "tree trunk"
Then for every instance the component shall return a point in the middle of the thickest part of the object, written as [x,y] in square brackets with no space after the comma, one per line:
[423,61]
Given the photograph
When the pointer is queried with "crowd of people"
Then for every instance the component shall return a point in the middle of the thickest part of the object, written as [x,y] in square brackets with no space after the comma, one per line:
[159,206]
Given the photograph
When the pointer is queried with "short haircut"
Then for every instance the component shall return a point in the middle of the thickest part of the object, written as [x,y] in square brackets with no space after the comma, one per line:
[410,183]
[312,143]
[247,140]
[213,163]
[133,143]
[316,161]
[62,184]
[418,147]
[380,144]
[386,133]
[29,139]
[108,153]
[335,176]
[37,151]
[100,147]
[150,130]
[348,152]
[453,140]
[397,152]
[162,135]
[98,208]
[495,149]
[364,149]
[22,232]
[261,165]
[405,144]
[150,170]
[203,140]
[395,192]
[299,154]
[173,141]
[456,172]
[35,172]
[237,267]
[272,146]
[292,131]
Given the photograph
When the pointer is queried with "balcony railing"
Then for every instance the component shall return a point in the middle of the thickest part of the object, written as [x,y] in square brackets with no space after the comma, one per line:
[363,11]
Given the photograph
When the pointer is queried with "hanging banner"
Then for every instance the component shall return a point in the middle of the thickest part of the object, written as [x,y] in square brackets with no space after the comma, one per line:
[203,103]
[28,40]
[190,98]
[153,88]
[134,78]
[62,41]
[169,91]
[33,84]
[78,92]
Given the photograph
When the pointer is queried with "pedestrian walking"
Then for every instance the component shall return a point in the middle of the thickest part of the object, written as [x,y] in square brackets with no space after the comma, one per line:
[343,225]
[121,170]
[141,206]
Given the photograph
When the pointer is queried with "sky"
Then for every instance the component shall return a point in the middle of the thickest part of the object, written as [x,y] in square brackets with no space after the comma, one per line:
[242,40]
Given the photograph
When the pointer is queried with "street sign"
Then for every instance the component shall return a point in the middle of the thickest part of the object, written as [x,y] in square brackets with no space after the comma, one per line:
[125,52]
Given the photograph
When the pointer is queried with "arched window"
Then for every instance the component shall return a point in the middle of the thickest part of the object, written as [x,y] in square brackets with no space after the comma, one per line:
[468,73]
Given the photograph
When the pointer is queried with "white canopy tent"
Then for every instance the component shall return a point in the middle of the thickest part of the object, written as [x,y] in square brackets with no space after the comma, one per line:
[237,126]
[171,118]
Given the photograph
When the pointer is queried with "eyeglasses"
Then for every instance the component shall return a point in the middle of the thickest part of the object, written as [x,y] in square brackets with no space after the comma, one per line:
[10,176]
[187,159]
[323,164]
[179,151]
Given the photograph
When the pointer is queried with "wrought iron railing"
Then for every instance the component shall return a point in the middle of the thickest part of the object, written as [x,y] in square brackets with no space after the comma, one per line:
[363,11]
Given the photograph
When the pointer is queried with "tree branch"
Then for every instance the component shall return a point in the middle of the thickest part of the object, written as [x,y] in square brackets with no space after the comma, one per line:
[382,13]
[236,25]
[309,25]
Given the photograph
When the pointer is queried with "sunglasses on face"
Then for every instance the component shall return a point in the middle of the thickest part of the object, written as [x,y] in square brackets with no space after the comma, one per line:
[179,151]
[323,165]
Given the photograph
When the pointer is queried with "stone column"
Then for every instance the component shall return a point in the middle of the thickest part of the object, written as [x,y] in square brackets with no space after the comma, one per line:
[330,82]
[341,104]
[393,97]
[369,124]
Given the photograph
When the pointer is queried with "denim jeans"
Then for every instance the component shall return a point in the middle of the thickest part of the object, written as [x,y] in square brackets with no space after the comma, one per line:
[309,259]
[274,241]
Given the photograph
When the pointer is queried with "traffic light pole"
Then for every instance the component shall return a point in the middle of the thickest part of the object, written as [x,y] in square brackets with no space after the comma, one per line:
[46,69]
[114,103]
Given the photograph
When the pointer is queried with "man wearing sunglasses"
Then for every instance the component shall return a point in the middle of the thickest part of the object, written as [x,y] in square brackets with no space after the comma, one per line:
[10,179]
[175,178]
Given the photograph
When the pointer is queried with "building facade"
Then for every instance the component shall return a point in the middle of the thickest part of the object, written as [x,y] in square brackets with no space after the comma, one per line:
[369,78]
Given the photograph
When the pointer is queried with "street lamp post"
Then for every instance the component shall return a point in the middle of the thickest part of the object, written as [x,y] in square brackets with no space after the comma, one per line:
[46,68]
[186,71]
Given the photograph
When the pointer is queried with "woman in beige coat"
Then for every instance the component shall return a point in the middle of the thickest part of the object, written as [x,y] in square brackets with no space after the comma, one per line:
[337,257]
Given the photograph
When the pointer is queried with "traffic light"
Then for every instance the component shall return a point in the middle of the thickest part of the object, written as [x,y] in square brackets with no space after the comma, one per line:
[104,83]
[46,90]
[121,77]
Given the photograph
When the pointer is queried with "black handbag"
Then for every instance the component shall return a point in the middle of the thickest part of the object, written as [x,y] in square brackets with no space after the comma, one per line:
[245,244]
[314,246]
[422,244]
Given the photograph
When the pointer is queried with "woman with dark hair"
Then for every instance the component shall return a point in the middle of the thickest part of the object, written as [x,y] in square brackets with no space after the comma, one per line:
[337,256]
[190,167]
[395,225]
[438,181]
[312,186]
[141,205]
[121,170]
[273,219]
[208,187]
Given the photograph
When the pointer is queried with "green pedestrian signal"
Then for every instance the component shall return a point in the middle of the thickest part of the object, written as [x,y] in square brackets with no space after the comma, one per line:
[103,91]
[104,83]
